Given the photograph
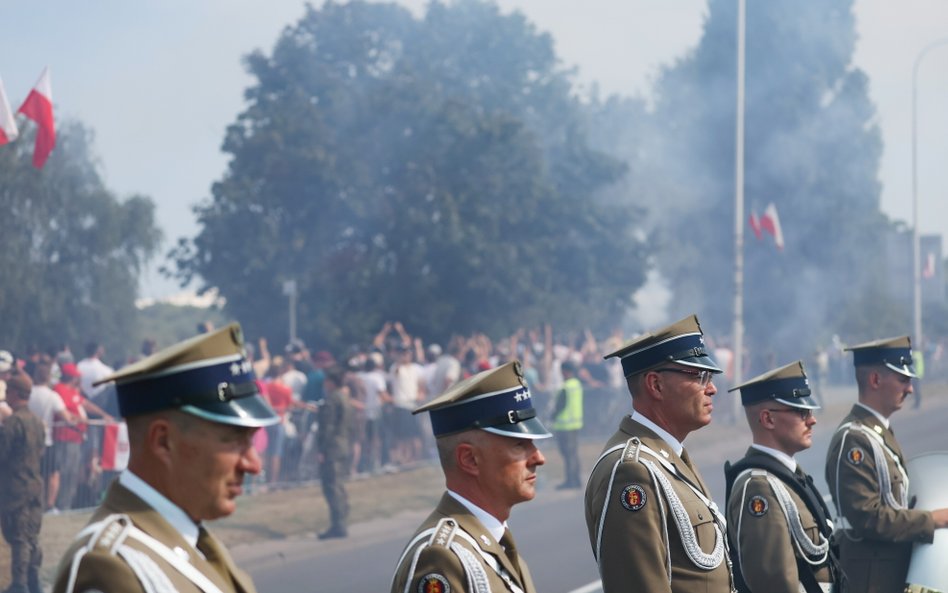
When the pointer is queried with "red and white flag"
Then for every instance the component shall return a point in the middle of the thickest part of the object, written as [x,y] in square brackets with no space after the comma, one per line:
[39,108]
[770,222]
[8,131]
[928,271]
[115,447]
[755,225]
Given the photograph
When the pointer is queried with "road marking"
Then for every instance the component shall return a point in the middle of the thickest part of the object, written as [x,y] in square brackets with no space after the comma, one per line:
[590,588]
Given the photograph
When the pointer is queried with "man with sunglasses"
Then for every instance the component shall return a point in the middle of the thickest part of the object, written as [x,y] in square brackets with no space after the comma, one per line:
[865,470]
[652,524]
[778,524]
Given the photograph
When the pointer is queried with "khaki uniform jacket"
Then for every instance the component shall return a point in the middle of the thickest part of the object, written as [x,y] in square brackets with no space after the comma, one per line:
[102,569]
[637,545]
[759,533]
[876,546]
[431,563]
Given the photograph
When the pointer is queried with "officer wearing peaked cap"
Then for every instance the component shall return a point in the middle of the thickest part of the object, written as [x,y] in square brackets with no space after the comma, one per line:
[778,524]
[191,410]
[485,427]
[865,470]
[652,524]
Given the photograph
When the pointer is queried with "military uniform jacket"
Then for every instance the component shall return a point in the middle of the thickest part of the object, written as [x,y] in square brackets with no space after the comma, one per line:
[22,442]
[453,552]
[332,437]
[128,547]
[865,474]
[651,523]
[760,512]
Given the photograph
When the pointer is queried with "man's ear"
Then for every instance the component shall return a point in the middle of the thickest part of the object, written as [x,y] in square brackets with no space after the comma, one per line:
[467,458]
[653,384]
[766,418]
[160,439]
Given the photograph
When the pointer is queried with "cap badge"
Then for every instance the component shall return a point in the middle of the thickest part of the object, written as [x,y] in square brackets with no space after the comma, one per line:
[633,497]
[434,583]
[855,456]
[757,506]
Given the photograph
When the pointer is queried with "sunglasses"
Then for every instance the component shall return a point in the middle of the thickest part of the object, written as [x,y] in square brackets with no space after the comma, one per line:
[804,414]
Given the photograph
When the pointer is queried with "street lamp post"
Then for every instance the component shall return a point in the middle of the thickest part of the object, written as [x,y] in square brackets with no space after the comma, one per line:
[916,244]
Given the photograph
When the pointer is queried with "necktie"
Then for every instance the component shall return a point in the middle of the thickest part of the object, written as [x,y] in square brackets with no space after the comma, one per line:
[208,546]
[511,549]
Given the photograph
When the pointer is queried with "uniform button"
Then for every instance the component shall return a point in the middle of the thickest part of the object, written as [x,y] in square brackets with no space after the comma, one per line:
[700,516]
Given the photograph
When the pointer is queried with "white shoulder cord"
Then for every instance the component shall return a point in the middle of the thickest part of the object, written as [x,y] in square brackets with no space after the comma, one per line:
[112,532]
[808,548]
[879,451]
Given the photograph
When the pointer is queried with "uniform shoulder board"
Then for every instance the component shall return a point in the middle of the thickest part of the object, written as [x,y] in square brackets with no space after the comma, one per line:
[443,533]
[631,452]
[109,533]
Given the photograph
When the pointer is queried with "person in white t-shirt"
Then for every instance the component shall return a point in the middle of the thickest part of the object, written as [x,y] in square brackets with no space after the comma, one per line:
[406,381]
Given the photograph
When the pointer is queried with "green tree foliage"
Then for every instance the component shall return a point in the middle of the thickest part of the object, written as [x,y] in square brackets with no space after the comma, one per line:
[812,148]
[433,171]
[70,250]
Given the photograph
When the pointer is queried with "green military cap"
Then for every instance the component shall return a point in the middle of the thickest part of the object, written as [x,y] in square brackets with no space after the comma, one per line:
[895,353]
[681,343]
[787,385]
[496,400]
[207,376]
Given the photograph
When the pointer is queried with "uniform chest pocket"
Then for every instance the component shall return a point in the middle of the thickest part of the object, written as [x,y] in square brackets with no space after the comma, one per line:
[702,521]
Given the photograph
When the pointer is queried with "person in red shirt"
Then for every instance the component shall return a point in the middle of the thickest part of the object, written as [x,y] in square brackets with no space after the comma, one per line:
[67,439]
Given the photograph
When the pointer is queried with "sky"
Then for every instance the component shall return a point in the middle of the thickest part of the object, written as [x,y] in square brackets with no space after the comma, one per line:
[158,82]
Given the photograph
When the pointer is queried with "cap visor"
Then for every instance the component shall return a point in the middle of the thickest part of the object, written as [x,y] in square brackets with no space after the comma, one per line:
[530,428]
[903,370]
[700,362]
[804,403]
[251,412]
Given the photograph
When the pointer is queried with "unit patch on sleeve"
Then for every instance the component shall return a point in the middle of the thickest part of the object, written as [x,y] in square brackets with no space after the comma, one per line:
[855,456]
[633,497]
[433,583]
[757,506]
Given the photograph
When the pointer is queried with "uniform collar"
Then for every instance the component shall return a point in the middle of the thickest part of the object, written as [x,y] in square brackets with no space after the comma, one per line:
[169,511]
[882,419]
[674,443]
[490,522]
[780,456]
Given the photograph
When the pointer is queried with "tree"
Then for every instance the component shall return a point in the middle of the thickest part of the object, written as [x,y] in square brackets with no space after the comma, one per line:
[812,148]
[70,250]
[433,171]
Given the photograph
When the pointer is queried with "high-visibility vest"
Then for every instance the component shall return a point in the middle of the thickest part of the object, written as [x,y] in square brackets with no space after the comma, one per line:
[571,416]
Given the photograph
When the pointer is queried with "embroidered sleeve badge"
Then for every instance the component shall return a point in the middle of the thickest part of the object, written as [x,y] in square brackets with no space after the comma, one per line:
[856,455]
[433,583]
[757,506]
[633,497]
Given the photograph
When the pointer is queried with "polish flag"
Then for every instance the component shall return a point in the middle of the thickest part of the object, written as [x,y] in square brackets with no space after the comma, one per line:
[929,270]
[8,131]
[39,108]
[770,222]
[115,447]
[755,225]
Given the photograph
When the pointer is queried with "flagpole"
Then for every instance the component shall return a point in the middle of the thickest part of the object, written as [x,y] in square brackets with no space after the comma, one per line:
[916,240]
[739,210]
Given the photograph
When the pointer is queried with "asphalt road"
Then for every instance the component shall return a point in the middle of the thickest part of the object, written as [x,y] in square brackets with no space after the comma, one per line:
[550,531]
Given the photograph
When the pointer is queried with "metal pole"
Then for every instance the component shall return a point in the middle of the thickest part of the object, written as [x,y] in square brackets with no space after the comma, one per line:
[739,210]
[916,243]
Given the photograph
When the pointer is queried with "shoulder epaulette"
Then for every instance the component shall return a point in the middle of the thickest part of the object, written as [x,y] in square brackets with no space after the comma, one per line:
[443,533]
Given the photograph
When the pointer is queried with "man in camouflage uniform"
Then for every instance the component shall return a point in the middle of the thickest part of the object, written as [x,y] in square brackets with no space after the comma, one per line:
[22,441]
[485,428]
[333,448]
[778,524]
[865,470]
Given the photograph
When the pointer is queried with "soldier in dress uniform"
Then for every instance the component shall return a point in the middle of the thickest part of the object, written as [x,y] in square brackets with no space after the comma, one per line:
[192,410]
[865,471]
[652,524]
[778,525]
[485,428]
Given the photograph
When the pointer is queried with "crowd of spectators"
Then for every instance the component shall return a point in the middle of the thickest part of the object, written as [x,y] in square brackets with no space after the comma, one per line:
[386,378]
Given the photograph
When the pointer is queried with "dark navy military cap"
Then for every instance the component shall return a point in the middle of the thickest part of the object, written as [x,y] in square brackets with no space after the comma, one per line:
[496,400]
[787,385]
[207,376]
[681,343]
[895,353]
